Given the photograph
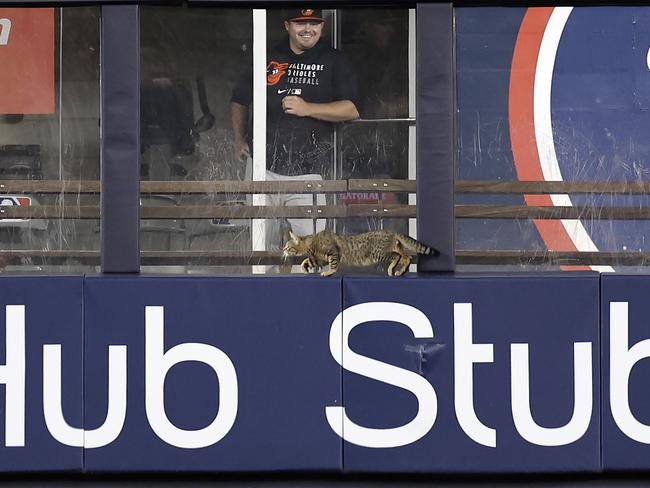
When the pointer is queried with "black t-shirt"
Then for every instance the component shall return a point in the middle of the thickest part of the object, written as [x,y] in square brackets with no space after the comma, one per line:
[300,145]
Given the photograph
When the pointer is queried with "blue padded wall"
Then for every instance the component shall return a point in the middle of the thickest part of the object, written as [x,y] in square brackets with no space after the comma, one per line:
[548,312]
[52,315]
[282,337]
[274,331]
[626,421]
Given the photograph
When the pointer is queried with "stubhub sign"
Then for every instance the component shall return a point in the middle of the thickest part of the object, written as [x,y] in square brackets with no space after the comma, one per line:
[513,359]
[424,374]
[626,366]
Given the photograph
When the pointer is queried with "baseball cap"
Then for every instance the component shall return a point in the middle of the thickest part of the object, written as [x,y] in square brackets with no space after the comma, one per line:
[305,14]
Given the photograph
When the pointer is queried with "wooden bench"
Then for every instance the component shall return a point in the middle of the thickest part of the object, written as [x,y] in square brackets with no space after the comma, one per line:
[235,189]
[568,258]
[231,207]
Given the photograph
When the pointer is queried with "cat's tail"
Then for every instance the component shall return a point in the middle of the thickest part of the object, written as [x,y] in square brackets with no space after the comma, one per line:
[418,247]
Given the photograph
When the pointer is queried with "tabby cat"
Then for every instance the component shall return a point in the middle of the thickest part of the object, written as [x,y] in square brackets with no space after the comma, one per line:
[370,248]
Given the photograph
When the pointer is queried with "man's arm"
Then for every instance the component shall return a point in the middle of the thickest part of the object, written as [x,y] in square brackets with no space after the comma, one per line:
[239,120]
[338,111]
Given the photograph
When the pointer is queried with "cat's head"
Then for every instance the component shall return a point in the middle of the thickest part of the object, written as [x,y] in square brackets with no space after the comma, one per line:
[295,246]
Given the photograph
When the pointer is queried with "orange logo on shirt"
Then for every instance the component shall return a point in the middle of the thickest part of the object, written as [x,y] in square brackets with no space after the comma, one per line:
[275,71]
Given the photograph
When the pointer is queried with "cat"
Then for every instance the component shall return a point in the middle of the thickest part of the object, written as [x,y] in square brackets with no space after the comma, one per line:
[370,248]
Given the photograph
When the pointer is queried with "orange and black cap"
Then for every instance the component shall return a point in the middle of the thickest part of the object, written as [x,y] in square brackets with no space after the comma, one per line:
[297,15]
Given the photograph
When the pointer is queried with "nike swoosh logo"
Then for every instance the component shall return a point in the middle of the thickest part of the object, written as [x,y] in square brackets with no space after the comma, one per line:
[280,92]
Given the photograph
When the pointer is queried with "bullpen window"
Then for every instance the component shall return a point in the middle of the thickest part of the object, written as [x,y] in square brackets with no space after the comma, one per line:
[49,139]
[235,152]
[553,164]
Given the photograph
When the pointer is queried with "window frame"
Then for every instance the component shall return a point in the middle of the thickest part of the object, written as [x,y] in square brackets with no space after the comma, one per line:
[120,131]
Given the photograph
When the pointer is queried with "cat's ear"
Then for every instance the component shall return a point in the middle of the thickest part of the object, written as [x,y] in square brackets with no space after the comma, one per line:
[293,236]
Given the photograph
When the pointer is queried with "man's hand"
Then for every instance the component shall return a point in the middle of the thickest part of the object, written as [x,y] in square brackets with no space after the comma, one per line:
[337,111]
[294,105]
[242,150]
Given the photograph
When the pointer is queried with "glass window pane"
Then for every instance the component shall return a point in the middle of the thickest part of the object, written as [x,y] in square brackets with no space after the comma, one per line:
[377,42]
[49,142]
[199,116]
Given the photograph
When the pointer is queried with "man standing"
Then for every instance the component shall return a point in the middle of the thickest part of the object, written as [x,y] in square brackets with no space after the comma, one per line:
[310,86]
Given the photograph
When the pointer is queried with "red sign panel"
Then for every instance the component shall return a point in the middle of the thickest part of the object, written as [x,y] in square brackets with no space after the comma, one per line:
[27,60]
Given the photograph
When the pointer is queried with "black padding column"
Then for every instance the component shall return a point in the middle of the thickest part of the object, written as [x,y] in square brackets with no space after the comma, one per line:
[120,143]
[436,140]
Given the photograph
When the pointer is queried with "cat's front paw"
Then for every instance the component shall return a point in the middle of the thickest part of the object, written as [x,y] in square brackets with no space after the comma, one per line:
[305,266]
[329,272]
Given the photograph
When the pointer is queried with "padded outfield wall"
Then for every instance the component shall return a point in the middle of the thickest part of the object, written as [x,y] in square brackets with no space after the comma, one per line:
[435,374]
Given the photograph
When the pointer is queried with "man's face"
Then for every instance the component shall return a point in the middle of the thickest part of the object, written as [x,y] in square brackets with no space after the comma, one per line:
[303,34]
